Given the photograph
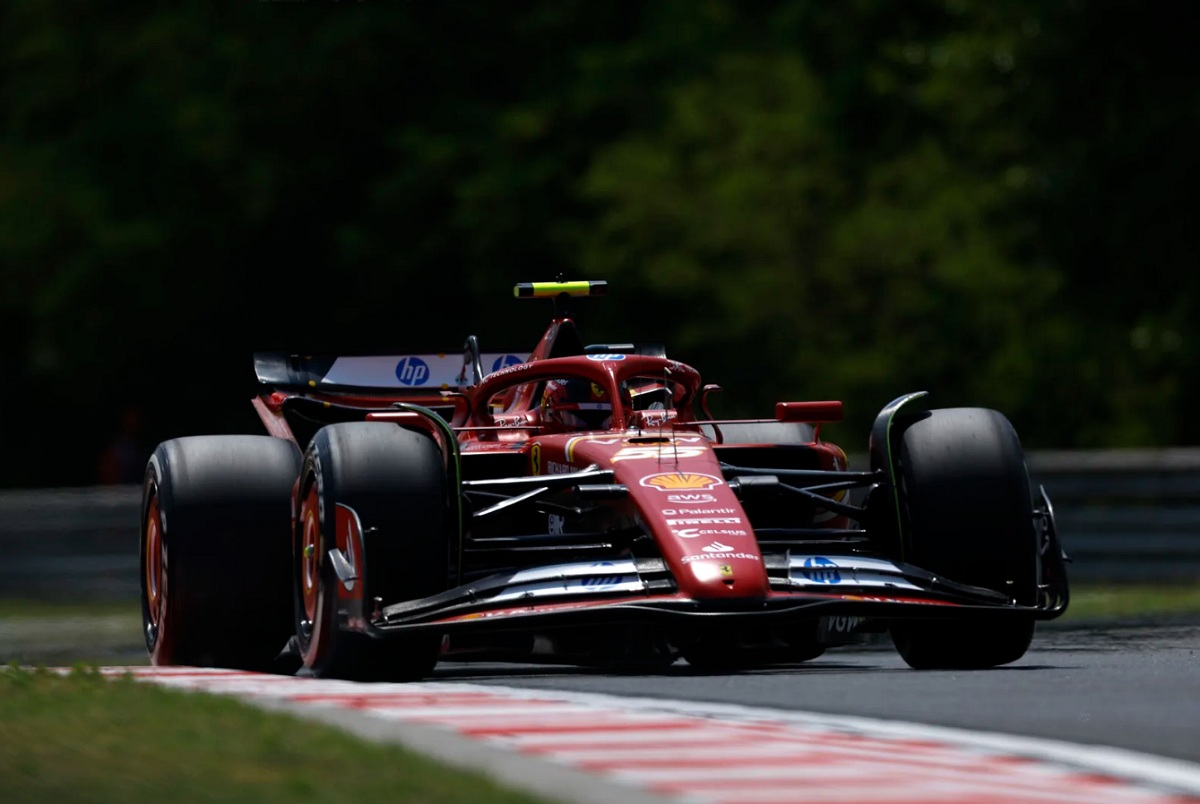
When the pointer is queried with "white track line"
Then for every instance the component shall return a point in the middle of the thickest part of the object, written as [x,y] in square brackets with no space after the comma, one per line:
[733,754]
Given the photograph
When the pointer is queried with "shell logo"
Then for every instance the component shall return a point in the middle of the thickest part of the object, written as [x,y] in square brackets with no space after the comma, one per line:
[673,481]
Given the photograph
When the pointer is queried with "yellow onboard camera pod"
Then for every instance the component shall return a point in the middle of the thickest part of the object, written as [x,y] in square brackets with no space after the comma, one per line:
[552,290]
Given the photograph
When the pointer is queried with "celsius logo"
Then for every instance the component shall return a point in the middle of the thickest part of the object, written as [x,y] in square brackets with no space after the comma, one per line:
[606,357]
[412,371]
[821,570]
[692,533]
[504,361]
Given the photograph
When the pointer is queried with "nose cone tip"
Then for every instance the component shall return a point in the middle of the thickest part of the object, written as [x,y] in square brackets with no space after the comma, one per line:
[722,578]
[707,572]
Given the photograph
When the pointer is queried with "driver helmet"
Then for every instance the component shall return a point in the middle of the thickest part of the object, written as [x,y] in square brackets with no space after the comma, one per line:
[647,393]
[576,404]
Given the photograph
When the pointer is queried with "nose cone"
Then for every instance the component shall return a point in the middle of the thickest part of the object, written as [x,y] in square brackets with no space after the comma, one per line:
[699,526]
[721,571]
[701,530]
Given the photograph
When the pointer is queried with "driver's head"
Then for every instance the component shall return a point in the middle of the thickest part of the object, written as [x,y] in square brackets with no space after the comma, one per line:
[576,404]
[647,393]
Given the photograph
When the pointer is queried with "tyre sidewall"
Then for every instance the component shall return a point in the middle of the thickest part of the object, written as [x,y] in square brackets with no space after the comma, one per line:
[395,481]
[966,501]
[224,513]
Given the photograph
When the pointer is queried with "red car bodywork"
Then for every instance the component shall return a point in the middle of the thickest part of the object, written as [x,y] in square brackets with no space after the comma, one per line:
[665,532]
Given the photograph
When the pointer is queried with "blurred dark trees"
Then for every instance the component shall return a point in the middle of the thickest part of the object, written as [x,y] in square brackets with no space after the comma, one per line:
[991,202]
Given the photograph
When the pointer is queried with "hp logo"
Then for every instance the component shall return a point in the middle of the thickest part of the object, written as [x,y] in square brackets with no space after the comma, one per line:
[412,371]
[821,570]
[504,361]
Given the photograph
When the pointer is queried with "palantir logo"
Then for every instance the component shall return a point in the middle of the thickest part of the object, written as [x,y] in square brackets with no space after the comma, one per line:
[821,570]
[504,361]
[412,371]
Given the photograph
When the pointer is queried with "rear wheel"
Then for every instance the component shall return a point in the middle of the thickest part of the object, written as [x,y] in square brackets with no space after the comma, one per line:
[215,551]
[968,517]
[394,481]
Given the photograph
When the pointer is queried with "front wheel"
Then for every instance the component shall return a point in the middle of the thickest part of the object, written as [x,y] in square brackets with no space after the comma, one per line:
[966,645]
[967,515]
[376,494]
[215,551]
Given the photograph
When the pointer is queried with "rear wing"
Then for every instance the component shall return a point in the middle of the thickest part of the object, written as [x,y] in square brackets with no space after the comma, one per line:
[422,374]
[417,373]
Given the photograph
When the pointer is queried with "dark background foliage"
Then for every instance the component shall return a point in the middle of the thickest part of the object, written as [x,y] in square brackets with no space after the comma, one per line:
[991,202]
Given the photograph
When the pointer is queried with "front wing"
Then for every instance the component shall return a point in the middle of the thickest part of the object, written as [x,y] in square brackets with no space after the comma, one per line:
[633,591]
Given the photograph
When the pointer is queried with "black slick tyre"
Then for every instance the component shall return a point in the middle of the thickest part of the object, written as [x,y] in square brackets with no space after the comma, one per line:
[394,481]
[215,550]
[967,516]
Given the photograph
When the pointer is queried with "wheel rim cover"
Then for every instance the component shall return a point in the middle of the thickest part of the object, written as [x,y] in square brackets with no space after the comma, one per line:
[156,564]
[310,555]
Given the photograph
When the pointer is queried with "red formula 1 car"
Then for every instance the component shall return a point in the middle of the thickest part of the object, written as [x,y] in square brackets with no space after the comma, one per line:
[579,504]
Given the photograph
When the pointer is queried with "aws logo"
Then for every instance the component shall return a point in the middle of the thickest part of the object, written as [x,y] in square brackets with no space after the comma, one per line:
[690,499]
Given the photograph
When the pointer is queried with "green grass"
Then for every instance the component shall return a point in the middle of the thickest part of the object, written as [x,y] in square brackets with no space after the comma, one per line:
[84,737]
[20,607]
[1135,602]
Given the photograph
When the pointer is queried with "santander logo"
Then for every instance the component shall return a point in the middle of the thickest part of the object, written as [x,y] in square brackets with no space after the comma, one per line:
[717,547]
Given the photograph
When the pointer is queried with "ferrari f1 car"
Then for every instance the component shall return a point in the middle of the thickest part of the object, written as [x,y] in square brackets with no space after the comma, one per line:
[579,504]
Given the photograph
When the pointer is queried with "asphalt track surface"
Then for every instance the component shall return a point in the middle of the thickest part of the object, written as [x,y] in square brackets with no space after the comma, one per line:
[1132,686]
[1090,715]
